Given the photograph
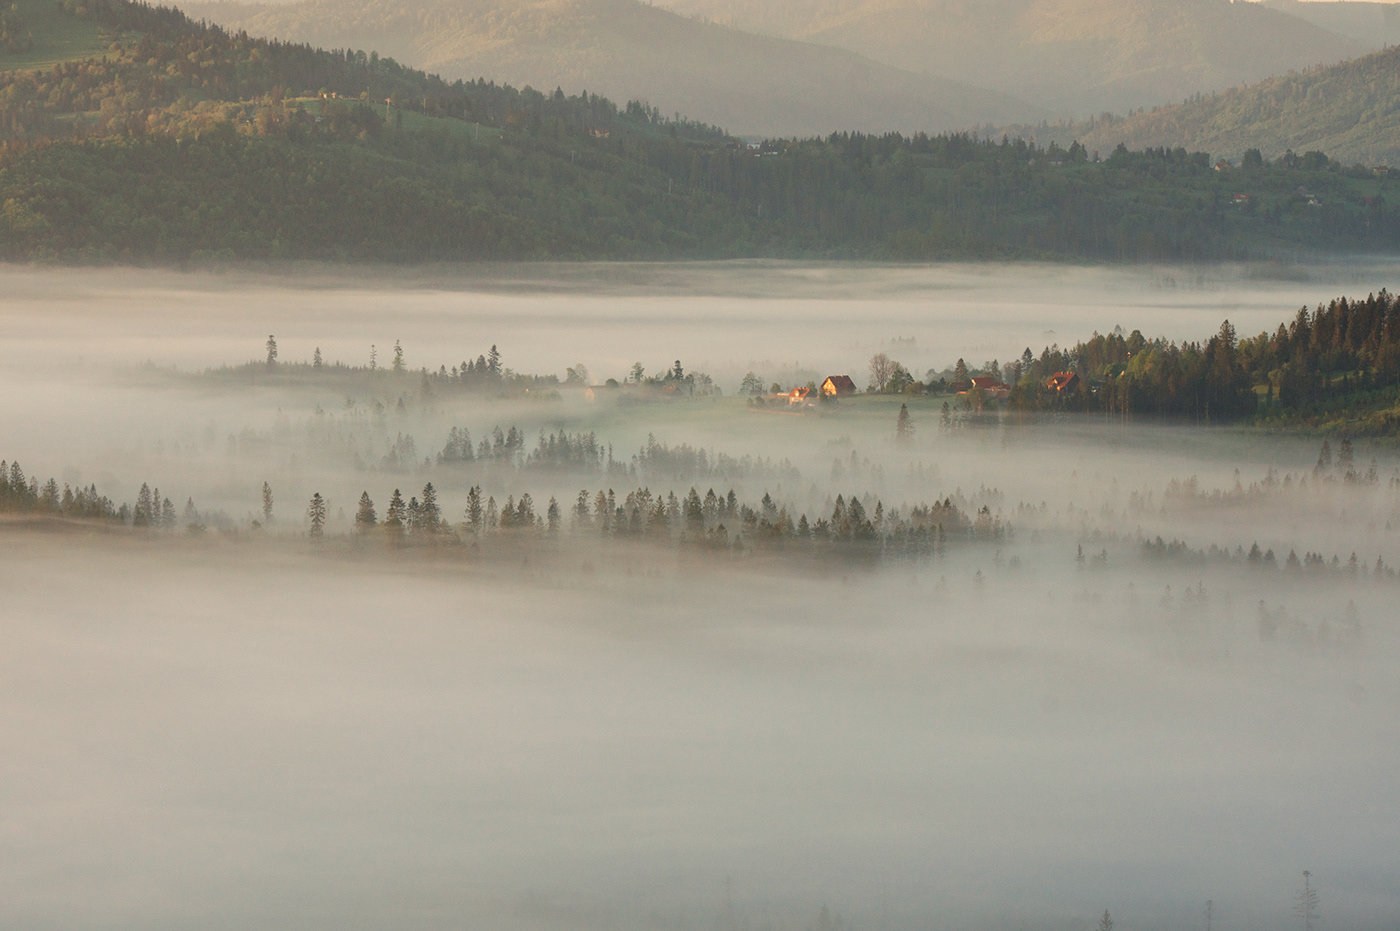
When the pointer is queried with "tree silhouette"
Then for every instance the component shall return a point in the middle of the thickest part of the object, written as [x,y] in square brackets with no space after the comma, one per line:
[316,511]
[904,427]
[1306,902]
[271,351]
[429,514]
[267,503]
[365,517]
[394,517]
[1106,922]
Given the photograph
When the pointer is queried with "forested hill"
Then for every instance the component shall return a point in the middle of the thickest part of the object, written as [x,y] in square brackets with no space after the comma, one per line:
[1350,110]
[185,143]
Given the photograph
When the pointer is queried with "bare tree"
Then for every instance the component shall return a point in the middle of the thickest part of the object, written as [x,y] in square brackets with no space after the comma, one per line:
[881,371]
[1305,905]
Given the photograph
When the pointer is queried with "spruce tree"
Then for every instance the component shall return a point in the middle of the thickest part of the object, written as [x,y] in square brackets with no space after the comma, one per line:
[271,352]
[429,514]
[141,517]
[552,516]
[365,517]
[316,511]
[267,503]
[474,513]
[394,517]
[904,428]
[1324,459]
[316,358]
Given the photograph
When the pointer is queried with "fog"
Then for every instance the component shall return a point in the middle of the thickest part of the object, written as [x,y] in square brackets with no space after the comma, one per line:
[244,728]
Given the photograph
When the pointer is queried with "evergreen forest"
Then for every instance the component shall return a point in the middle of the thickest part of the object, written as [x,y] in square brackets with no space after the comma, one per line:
[184,143]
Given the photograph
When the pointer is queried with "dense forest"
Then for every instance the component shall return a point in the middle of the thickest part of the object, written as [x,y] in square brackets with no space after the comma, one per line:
[1335,368]
[186,143]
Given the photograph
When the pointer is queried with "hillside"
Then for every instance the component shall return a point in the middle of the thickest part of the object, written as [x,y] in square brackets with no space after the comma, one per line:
[186,144]
[1070,57]
[1350,111]
[624,49]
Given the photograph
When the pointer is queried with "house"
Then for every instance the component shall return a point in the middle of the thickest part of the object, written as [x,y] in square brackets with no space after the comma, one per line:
[991,387]
[838,386]
[1223,166]
[1241,199]
[798,396]
[1381,171]
[1062,382]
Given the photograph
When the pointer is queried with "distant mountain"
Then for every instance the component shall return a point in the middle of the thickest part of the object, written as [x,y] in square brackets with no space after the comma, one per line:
[1350,111]
[1374,25]
[1072,57]
[625,49]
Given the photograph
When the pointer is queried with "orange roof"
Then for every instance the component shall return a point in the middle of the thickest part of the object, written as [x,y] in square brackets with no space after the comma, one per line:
[987,383]
[1061,380]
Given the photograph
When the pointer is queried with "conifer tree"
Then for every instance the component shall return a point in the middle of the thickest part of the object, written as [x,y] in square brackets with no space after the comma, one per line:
[1324,459]
[316,358]
[316,511]
[267,503]
[552,516]
[398,357]
[141,517]
[429,514]
[474,513]
[365,516]
[395,516]
[271,352]
[904,428]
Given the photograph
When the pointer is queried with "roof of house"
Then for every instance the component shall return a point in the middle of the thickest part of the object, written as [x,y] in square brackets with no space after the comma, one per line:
[799,392]
[841,382]
[987,383]
[1061,380]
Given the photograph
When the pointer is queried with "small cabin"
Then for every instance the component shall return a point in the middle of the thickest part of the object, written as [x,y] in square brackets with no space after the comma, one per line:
[798,396]
[1061,382]
[838,386]
[991,387]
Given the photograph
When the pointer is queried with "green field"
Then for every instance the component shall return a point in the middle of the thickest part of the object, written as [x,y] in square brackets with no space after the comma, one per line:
[58,37]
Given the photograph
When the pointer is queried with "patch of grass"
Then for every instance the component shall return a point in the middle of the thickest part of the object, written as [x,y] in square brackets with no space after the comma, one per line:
[58,37]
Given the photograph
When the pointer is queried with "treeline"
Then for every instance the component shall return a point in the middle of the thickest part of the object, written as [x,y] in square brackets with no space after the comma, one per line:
[714,521]
[194,144]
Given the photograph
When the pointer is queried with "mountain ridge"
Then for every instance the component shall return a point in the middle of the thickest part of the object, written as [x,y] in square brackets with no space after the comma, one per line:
[752,85]
[1071,57]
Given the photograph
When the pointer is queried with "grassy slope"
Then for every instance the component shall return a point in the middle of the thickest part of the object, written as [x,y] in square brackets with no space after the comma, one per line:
[58,37]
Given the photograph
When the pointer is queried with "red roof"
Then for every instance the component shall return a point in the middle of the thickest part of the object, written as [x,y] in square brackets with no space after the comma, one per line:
[842,384]
[1062,380]
[987,383]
